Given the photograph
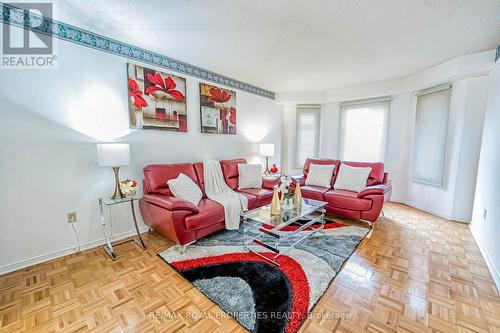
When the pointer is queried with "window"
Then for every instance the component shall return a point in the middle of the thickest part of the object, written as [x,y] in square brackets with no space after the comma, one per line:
[363,130]
[431,132]
[307,133]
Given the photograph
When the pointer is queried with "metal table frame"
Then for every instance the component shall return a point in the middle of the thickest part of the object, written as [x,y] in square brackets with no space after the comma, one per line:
[280,237]
[108,247]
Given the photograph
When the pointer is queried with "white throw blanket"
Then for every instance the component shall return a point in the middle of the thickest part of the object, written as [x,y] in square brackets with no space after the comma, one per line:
[217,190]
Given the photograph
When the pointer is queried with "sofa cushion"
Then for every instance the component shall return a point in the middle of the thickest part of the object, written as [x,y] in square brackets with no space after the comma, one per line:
[230,171]
[185,188]
[252,200]
[313,192]
[264,196]
[347,200]
[157,175]
[321,161]
[249,176]
[376,175]
[210,213]
[320,175]
[352,178]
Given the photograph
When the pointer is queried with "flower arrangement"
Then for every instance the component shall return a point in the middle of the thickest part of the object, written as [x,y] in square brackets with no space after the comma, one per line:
[128,187]
[286,191]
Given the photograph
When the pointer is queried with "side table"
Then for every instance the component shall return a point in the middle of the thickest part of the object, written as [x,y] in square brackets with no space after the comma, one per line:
[109,203]
[277,174]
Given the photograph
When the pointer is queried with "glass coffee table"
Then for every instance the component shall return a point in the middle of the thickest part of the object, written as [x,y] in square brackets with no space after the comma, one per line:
[281,233]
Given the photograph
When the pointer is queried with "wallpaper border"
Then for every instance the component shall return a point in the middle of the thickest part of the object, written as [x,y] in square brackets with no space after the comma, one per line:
[15,16]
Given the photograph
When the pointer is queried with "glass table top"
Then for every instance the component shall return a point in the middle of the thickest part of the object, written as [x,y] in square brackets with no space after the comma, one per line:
[109,201]
[263,215]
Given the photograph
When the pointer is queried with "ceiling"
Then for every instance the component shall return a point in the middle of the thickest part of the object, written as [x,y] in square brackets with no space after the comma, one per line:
[292,45]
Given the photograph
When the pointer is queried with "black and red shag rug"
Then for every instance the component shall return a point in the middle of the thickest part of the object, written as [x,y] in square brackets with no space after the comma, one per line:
[261,296]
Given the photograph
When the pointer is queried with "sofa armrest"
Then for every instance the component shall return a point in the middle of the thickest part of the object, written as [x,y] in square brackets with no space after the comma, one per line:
[170,203]
[299,179]
[375,190]
[268,182]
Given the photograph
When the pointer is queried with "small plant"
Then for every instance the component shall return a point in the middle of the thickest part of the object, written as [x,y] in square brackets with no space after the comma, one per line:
[128,187]
[285,187]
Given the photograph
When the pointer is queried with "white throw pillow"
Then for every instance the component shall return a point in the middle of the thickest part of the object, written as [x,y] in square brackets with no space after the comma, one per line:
[185,188]
[249,176]
[320,175]
[352,178]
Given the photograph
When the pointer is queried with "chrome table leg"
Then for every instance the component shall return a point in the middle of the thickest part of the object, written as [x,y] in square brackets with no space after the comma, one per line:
[139,240]
[108,247]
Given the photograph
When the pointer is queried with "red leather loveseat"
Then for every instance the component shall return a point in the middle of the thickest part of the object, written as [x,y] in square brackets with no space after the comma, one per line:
[364,205]
[181,221]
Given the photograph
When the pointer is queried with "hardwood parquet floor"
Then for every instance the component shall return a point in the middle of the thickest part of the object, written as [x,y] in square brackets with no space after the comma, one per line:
[415,273]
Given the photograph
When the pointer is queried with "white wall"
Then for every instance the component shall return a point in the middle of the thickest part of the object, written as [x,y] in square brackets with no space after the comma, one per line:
[51,120]
[289,139]
[486,229]
[468,74]
[454,200]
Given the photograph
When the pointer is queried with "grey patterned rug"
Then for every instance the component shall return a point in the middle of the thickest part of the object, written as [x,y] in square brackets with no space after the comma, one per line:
[261,296]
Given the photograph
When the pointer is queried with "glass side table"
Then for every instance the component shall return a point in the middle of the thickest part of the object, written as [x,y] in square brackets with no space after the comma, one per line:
[271,175]
[109,203]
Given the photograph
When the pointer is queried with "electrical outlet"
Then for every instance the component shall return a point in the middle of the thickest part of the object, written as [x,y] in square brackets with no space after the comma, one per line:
[485,212]
[72,217]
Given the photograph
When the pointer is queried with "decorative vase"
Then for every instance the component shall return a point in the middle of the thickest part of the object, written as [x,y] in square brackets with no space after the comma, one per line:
[274,169]
[297,196]
[288,203]
[275,203]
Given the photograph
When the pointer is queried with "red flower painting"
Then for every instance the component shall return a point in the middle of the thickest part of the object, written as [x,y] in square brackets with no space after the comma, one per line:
[218,110]
[136,94]
[156,100]
[218,95]
[166,86]
[232,115]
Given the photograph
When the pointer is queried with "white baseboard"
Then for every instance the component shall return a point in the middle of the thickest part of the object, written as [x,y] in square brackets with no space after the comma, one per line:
[489,262]
[426,209]
[63,252]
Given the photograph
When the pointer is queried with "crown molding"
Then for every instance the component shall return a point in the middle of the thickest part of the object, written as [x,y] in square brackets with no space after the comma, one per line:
[14,16]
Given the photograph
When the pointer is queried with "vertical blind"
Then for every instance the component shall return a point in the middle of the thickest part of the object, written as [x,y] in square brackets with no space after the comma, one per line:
[431,133]
[307,133]
[364,130]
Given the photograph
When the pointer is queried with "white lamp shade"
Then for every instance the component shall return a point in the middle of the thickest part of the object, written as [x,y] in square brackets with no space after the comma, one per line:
[113,154]
[266,149]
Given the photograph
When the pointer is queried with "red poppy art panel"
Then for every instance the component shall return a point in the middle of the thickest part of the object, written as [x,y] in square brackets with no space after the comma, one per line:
[157,100]
[218,110]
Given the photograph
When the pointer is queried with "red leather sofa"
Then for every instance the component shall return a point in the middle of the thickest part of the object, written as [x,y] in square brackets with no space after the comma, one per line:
[364,205]
[181,221]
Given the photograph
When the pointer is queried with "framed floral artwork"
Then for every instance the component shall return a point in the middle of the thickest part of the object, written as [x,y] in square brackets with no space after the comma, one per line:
[157,100]
[217,109]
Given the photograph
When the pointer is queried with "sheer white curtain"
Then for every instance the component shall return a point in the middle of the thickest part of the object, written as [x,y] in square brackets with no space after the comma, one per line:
[364,130]
[308,117]
[431,133]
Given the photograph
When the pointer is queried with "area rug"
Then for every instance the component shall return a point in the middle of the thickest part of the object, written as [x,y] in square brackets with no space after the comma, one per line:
[261,296]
